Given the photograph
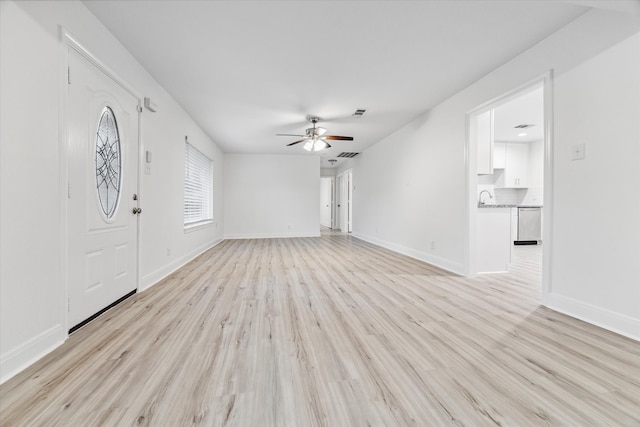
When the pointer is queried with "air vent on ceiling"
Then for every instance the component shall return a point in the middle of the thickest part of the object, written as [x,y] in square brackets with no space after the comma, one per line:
[347,154]
[523,126]
[359,113]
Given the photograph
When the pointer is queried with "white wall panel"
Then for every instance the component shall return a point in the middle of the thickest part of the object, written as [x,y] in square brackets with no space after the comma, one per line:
[596,231]
[271,196]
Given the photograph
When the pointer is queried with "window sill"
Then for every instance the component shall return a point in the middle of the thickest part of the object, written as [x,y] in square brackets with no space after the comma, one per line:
[197,226]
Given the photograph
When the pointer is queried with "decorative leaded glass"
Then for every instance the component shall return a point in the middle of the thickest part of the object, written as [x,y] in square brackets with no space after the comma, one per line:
[108,163]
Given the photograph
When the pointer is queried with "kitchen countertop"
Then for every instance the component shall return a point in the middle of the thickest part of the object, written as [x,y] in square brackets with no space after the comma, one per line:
[509,206]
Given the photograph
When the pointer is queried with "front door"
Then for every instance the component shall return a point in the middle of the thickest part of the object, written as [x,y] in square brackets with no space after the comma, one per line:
[102,171]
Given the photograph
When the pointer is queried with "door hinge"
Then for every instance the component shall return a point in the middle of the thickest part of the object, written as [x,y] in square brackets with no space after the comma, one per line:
[68,304]
[69,75]
[139,109]
[68,190]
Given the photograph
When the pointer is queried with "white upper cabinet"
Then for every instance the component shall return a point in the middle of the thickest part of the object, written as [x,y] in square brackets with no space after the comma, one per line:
[515,167]
[484,142]
[499,155]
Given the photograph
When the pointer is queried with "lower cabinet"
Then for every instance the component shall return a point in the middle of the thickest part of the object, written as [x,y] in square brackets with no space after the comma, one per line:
[493,240]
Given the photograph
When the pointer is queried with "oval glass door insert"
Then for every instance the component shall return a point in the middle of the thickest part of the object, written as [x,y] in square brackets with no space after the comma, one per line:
[108,163]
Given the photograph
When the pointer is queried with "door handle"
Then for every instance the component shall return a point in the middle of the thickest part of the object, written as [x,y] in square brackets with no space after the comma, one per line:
[137,211]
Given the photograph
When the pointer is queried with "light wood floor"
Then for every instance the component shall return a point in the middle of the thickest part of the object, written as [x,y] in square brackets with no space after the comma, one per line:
[334,332]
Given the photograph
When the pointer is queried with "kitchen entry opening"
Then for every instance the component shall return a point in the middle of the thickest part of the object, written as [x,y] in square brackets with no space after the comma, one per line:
[508,163]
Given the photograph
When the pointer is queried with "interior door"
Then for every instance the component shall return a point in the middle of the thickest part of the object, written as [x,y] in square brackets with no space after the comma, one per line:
[102,171]
[326,185]
[340,221]
[349,192]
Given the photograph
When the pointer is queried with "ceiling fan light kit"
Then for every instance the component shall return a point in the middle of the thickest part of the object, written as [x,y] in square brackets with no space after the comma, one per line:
[314,138]
[316,145]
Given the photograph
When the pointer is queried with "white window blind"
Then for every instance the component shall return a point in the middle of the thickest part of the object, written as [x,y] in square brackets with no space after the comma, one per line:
[198,186]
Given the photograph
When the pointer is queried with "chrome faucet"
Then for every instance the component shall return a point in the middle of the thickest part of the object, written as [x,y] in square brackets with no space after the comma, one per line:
[480,196]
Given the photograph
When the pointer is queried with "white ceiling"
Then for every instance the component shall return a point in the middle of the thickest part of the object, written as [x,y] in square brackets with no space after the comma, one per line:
[246,70]
[527,108]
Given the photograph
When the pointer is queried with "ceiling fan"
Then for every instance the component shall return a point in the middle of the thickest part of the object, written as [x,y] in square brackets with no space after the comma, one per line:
[315,138]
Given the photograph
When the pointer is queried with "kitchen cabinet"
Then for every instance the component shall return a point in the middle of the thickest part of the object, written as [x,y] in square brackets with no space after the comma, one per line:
[493,239]
[499,155]
[484,142]
[515,167]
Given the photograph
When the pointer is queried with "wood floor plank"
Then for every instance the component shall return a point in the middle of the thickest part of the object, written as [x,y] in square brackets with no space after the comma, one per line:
[332,331]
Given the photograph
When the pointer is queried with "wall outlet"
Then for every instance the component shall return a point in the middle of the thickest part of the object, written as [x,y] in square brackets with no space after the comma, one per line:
[289,227]
[168,251]
[577,152]
[433,245]
[147,169]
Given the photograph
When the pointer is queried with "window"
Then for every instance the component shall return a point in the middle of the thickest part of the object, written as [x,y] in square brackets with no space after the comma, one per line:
[108,163]
[198,187]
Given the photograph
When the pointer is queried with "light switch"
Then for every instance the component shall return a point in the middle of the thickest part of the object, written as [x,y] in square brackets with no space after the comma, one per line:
[577,152]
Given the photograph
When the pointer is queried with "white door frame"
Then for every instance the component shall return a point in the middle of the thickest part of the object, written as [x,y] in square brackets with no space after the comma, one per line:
[470,260]
[67,41]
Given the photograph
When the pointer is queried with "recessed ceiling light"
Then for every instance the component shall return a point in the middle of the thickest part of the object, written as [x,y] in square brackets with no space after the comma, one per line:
[522,134]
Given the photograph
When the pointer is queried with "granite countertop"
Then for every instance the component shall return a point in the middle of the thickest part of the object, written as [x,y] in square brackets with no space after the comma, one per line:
[509,206]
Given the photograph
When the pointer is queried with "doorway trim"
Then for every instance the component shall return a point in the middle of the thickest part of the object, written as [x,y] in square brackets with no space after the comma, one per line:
[471,179]
[67,41]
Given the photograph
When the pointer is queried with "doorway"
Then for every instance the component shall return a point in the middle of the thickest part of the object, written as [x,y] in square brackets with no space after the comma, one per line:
[326,201]
[102,145]
[509,167]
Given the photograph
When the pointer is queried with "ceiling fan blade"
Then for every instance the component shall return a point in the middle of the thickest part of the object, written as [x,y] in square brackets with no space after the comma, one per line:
[288,134]
[338,138]
[296,142]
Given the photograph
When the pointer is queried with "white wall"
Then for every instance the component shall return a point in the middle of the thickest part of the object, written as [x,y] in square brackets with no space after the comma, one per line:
[535,167]
[596,229]
[271,196]
[411,192]
[32,286]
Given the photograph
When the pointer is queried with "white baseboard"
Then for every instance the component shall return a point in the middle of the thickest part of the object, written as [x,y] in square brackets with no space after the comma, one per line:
[443,263]
[272,235]
[29,352]
[156,276]
[615,322]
